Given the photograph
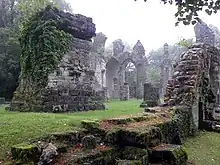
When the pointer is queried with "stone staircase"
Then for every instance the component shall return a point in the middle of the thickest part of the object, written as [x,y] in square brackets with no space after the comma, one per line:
[143,139]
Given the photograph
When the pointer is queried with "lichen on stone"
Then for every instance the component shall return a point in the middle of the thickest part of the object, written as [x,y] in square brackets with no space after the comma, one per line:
[25,152]
[90,124]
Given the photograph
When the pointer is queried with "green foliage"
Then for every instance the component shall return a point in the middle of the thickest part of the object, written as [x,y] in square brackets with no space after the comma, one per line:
[9,62]
[27,8]
[153,74]
[14,14]
[7,12]
[185,43]
[43,45]
[187,10]
[156,57]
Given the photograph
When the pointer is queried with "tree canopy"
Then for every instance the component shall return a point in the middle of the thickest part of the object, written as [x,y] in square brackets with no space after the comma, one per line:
[187,10]
[13,15]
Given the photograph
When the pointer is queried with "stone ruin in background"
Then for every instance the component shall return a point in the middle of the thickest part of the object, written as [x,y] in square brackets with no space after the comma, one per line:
[71,87]
[195,81]
[110,68]
[165,74]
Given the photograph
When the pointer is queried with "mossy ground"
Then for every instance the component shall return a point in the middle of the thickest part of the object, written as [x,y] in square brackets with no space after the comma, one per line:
[17,127]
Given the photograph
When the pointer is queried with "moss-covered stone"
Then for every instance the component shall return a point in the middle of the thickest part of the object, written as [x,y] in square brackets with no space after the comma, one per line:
[132,153]
[89,142]
[90,124]
[172,154]
[113,136]
[144,137]
[128,162]
[24,153]
[71,137]
[117,121]
[95,157]
[140,118]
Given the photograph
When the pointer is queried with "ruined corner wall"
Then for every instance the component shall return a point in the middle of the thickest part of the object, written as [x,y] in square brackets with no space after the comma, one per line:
[193,82]
[70,87]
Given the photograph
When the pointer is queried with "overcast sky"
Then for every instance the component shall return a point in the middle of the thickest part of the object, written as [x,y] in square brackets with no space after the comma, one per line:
[150,22]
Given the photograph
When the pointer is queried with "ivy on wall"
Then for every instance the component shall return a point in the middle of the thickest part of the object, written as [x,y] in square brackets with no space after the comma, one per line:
[43,45]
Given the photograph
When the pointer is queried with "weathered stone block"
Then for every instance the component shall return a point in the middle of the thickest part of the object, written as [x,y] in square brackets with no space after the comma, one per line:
[25,152]
[89,142]
[168,153]
[151,96]
[90,125]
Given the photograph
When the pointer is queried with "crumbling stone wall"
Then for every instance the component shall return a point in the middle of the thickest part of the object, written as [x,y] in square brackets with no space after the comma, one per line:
[195,79]
[71,86]
[116,64]
[97,60]
[191,83]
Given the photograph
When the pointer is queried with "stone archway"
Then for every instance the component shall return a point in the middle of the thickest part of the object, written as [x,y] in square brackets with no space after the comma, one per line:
[115,69]
[112,67]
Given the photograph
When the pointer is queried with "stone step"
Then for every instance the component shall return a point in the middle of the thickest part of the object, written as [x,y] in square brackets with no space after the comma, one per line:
[169,153]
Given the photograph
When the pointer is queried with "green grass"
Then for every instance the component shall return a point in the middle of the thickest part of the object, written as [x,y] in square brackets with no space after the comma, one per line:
[16,127]
[204,149]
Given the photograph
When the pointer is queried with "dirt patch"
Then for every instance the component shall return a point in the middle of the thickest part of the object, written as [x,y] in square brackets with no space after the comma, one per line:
[152,119]
[77,152]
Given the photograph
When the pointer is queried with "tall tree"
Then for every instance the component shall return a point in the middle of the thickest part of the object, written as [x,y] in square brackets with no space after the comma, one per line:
[155,58]
[9,62]
[28,7]
[12,14]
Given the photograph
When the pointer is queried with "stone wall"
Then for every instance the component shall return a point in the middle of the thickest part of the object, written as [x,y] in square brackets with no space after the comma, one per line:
[192,83]
[97,61]
[71,87]
[195,81]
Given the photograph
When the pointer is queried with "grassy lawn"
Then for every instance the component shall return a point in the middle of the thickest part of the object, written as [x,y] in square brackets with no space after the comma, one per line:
[16,127]
[204,149]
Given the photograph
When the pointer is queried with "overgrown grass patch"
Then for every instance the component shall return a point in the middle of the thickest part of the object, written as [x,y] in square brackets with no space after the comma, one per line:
[204,149]
[17,127]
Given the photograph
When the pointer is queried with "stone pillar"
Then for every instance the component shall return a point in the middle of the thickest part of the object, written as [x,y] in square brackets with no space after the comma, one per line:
[216,112]
[204,34]
[115,91]
[165,71]
[118,47]
[124,92]
[102,76]
[151,96]
[139,53]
